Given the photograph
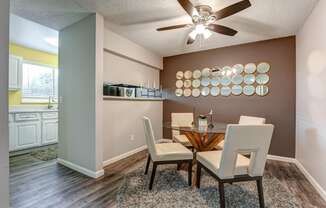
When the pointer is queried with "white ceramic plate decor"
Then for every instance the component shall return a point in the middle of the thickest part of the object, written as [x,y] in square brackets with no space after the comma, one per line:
[262,79]
[216,72]
[187,74]
[236,90]
[187,83]
[205,82]
[179,75]
[226,71]
[196,74]
[249,79]
[178,92]
[238,68]
[215,81]
[261,90]
[263,67]
[206,72]
[179,83]
[215,91]
[195,83]
[226,91]
[205,91]
[250,68]
[195,92]
[225,80]
[237,79]
[187,92]
[248,90]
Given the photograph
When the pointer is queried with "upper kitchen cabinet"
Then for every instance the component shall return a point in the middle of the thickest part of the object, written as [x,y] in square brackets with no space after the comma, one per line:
[15,72]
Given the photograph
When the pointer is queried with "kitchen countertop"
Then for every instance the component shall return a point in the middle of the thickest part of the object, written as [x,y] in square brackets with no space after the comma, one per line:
[31,109]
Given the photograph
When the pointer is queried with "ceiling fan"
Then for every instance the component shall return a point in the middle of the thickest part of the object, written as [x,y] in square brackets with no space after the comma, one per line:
[204,19]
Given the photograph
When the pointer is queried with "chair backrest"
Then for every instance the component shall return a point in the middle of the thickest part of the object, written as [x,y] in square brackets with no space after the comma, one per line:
[250,120]
[181,120]
[245,139]
[149,135]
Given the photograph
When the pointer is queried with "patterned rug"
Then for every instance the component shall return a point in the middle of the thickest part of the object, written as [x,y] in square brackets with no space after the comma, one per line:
[170,190]
[46,154]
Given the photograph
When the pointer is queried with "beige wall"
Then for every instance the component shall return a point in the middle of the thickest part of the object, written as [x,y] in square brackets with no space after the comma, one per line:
[311,95]
[4,146]
[122,124]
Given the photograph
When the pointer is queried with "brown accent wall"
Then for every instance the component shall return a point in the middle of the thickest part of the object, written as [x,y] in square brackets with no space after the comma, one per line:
[278,107]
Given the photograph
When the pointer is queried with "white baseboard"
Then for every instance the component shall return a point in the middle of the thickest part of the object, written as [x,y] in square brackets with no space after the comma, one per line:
[80,169]
[309,177]
[123,156]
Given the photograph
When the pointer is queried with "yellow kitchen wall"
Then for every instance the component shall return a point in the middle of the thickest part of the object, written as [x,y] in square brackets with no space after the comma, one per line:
[32,55]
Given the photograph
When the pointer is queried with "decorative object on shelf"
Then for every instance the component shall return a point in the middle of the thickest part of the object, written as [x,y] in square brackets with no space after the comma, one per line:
[195,92]
[187,92]
[215,91]
[205,82]
[237,79]
[262,79]
[238,68]
[187,83]
[196,83]
[215,81]
[206,72]
[179,84]
[250,68]
[225,80]
[179,92]
[249,79]
[248,90]
[205,91]
[179,75]
[226,91]
[261,90]
[196,74]
[263,68]
[236,90]
[188,74]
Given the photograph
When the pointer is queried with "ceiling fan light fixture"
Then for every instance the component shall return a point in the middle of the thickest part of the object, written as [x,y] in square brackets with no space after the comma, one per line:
[193,34]
[207,34]
[200,28]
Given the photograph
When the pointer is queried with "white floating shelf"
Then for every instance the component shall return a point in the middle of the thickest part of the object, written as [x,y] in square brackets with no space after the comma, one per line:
[132,99]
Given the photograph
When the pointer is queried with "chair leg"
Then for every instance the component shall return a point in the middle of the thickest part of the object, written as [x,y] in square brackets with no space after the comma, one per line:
[178,166]
[147,164]
[152,176]
[198,175]
[221,192]
[190,173]
[260,192]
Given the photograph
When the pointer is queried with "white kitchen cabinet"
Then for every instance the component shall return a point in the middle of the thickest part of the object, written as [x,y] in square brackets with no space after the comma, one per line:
[15,72]
[28,134]
[49,132]
[12,136]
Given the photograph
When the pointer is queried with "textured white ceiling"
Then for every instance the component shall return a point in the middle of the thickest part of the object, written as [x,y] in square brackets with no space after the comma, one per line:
[137,20]
[32,35]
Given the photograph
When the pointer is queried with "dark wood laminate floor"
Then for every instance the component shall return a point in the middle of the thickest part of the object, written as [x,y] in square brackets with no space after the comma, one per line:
[38,184]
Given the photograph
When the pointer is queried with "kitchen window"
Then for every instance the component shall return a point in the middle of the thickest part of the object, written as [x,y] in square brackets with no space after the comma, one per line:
[40,83]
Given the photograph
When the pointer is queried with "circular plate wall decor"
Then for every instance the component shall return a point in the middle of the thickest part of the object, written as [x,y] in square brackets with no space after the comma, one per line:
[225,80]
[248,90]
[188,74]
[250,68]
[261,90]
[262,79]
[237,79]
[196,83]
[179,75]
[216,72]
[263,67]
[187,92]
[236,90]
[226,71]
[187,83]
[238,68]
[215,81]
[215,91]
[249,79]
[196,74]
[226,91]
[178,92]
[206,72]
[179,83]
[195,92]
[205,91]
[205,82]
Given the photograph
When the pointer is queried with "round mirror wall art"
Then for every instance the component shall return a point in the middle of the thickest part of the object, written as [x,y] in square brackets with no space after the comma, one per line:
[187,92]
[196,74]
[206,72]
[215,91]
[205,82]
[262,79]
[261,90]
[179,75]
[216,72]
[248,90]
[237,79]
[205,91]
[226,71]
[249,79]
[226,91]
[215,81]
[263,67]
[236,90]
[195,83]
[225,80]
[250,68]
[195,92]
[178,92]
[188,75]
[187,83]
[179,84]
[238,68]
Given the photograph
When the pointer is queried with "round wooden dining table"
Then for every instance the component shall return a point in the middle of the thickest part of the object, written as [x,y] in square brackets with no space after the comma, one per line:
[202,139]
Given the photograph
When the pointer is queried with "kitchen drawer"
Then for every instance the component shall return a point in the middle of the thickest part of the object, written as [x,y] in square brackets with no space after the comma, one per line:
[27,116]
[50,115]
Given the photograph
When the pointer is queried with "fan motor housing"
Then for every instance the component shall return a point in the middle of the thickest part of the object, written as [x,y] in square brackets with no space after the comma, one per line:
[206,15]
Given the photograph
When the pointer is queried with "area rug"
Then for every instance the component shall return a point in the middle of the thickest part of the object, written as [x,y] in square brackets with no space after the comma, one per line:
[46,154]
[171,190]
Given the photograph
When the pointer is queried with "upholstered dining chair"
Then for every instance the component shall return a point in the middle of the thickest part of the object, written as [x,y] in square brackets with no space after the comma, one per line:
[165,153]
[181,120]
[229,165]
[245,120]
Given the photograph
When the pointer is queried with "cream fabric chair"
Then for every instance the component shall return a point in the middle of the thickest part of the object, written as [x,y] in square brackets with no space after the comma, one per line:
[181,120]
[165,153]
[249,120]
[229,165]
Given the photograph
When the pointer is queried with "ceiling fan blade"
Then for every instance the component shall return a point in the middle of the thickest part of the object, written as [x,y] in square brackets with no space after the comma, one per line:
[172,27]
[234,8]
[222,29]
[187,6]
